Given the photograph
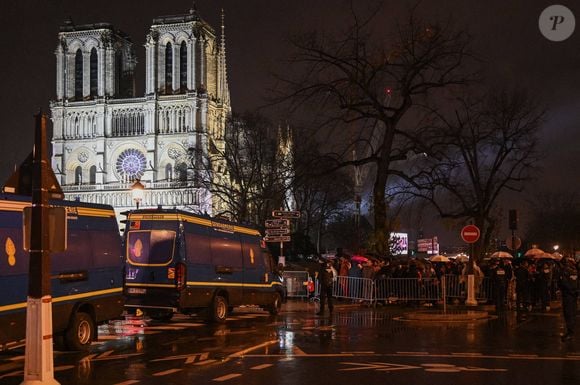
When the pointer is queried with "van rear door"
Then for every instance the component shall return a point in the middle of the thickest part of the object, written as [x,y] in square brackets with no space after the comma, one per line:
[151,256]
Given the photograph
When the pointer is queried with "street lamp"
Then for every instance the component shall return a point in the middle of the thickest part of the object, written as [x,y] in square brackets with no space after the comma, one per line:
[137,192]
[556,247]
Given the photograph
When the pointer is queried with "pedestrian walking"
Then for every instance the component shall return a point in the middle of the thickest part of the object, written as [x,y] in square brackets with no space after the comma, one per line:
[326,277]
[569,286]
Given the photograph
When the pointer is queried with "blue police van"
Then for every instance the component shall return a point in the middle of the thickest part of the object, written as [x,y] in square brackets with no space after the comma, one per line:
[180,262]
[86,279]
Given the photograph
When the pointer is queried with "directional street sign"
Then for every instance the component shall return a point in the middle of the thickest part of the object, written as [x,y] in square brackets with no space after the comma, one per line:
[277,238]
[278,231]
[273,223]
[286,214]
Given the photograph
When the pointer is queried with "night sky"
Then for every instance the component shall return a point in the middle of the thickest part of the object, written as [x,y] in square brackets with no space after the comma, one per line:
[506,34]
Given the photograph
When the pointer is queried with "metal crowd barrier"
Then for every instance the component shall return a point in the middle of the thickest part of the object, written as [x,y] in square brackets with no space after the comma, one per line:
[457,287]
[353,288]
[389,289]
[295,283]
[407,289]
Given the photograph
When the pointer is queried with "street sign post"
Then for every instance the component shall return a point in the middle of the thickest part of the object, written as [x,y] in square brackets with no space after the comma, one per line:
[470,234]
[278,228]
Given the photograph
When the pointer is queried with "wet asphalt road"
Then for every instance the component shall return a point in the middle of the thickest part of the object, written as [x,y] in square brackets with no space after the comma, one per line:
[356,345]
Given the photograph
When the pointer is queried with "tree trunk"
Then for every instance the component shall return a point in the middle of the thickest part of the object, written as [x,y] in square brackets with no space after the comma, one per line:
[379,188]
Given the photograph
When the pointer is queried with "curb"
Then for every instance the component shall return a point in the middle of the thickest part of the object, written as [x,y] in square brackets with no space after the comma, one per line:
[453,315]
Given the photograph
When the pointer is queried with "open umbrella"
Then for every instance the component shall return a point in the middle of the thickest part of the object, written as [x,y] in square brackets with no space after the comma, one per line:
[533,252]
[557,256]
[544,256]
[359,259]
[501,254]
[462,258]
[439,258]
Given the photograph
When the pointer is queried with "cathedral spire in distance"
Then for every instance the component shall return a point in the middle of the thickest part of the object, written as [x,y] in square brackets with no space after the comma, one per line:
[224,81]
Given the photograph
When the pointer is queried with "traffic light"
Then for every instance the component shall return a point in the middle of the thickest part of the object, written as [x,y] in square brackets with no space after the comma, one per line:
[513,219]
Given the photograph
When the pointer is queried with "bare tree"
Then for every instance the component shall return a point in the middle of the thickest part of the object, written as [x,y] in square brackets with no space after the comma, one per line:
[362,83]
[251,181]
[486,147]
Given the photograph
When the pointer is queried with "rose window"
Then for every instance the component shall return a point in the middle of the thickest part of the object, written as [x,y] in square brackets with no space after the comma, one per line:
[131,164]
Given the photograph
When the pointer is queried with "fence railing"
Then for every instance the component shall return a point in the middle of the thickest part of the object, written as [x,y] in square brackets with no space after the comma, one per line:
[296,283]
[393,289]
[387,289]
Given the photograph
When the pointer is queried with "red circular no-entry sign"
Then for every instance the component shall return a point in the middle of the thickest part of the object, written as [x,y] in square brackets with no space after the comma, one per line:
[470,233]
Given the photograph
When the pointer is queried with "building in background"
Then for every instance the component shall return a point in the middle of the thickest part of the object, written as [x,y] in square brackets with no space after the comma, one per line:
[105,137]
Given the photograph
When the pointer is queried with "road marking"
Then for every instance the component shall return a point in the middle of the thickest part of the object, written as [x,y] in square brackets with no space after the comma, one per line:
[467,354]
[111,337]
[128,382]
[166,372]
[260,367]
[227,377]
[205,362]
[107,356]
[147,328]
[243,352]
[242,332]
[437,368]
[189,358]
[187,324]
[297,351]
[422,354]
[378,366]
[450,368]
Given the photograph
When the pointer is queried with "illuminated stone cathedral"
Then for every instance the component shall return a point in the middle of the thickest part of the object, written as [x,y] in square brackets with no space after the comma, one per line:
[105,137]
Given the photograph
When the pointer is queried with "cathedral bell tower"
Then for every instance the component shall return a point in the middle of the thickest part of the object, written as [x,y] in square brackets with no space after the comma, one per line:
[105,138]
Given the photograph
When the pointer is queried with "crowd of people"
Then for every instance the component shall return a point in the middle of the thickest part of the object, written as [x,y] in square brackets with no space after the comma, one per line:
[522,284]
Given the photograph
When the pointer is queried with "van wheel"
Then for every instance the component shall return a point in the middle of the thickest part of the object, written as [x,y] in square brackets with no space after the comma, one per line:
[80,334]
[276,305]
[219,309]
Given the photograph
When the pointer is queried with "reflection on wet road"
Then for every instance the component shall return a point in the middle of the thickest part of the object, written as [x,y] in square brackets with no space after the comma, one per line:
[354,345]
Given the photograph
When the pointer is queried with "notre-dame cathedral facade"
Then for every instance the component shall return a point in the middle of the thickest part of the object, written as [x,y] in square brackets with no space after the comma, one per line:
[105,137]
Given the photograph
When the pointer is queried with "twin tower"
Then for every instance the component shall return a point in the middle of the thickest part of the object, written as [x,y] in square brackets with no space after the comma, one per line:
[105,137]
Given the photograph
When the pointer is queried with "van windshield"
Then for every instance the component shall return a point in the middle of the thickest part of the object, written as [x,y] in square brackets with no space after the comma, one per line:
[150,247]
